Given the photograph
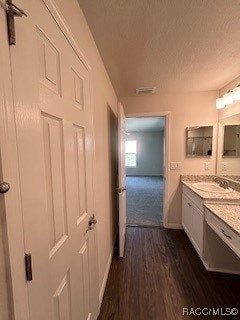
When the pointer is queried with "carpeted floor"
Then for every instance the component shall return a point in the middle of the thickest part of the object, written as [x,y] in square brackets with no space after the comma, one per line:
[144,200]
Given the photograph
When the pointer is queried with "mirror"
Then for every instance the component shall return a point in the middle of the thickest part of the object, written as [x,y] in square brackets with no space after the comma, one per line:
[199,141]
[228,162]
[231,146]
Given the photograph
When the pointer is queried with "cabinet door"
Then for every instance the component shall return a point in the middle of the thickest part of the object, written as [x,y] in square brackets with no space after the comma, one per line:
[186,215]
[197,229]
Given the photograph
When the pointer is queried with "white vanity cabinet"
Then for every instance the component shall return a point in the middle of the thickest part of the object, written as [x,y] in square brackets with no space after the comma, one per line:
[224,232]
[221,247]
[193,218]
[216,244]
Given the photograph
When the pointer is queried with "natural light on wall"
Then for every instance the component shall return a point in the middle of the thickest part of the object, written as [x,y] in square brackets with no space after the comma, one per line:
[130,153]
[228,98]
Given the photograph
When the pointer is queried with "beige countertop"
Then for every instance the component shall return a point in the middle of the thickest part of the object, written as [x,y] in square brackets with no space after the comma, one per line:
[226,207]
[227,213]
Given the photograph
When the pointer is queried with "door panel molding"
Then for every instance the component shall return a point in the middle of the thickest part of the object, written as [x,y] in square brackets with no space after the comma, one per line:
[62,25]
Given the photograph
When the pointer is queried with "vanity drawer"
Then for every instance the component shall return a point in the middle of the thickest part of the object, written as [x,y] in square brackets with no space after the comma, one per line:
[223,231]
[194,198]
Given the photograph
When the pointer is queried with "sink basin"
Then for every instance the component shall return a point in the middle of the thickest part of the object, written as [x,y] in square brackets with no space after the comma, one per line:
[210,187]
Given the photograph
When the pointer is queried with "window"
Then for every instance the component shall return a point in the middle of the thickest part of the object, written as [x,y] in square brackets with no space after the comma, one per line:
[130,153]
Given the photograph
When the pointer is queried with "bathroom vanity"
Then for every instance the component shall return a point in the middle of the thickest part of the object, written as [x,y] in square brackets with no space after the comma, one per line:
[211,220]
[193,218]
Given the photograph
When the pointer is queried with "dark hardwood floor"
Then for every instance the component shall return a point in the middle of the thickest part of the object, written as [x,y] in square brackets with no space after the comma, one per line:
[160,275]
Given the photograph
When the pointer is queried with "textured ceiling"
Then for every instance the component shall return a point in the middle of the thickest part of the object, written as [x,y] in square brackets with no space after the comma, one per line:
[149,124]
[175,45]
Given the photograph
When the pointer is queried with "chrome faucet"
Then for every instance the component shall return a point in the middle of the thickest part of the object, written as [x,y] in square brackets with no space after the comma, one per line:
[224,184]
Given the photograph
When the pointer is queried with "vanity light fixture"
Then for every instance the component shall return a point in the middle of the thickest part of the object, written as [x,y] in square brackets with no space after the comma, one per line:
[228,98]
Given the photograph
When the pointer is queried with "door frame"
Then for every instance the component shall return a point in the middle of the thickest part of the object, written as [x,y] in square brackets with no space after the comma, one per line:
[121,177]
[167,116]
[14,232]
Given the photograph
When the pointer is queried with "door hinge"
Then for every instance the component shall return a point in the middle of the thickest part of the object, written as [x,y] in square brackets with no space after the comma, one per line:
[11,12]
[119,190]
[28,266]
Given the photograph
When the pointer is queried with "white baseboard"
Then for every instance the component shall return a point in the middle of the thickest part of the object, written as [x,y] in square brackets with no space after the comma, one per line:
[144,175]
[174,226]
[219,269]
[104,282]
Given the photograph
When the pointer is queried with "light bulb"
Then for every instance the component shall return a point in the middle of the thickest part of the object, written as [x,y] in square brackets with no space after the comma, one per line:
[228,98]
[236,93]
[220,103]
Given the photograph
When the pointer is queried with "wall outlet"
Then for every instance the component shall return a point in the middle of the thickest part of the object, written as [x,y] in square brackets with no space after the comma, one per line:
[175,165]
[206,166]
[224,166]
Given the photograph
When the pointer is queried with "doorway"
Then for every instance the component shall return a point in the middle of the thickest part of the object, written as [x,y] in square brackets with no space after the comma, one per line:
[145,170]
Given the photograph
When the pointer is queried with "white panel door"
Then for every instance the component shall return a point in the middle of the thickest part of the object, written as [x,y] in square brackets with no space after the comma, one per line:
[51,89]
[121,179]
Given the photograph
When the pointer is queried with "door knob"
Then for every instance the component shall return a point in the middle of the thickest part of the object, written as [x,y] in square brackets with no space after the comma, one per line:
[91,223]
[4,187]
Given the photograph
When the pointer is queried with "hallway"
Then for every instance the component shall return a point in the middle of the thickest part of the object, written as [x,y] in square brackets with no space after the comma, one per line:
[161,274]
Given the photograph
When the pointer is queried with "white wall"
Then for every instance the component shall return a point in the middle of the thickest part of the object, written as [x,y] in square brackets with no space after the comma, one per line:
[186,109]
[149,156]
[105,110]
